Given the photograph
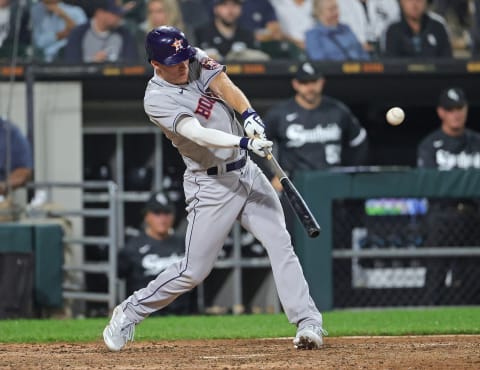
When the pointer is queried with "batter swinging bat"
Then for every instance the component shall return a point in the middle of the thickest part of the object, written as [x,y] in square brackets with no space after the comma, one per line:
[296,201]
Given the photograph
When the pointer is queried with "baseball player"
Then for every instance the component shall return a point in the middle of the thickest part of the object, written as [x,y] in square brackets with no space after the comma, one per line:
[315,131]
[155,248]
[192,100]
[452,145]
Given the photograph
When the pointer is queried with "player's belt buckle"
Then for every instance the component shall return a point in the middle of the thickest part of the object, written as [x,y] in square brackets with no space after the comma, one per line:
[212,171]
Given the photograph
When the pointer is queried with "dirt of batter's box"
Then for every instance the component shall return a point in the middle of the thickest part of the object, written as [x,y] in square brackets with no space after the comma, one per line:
[408,352]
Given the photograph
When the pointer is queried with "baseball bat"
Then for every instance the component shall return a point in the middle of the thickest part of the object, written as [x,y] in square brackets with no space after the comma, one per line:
[298,204]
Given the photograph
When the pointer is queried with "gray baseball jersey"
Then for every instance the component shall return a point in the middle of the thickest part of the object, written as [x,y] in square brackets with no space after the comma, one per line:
[180,101]
[215,200]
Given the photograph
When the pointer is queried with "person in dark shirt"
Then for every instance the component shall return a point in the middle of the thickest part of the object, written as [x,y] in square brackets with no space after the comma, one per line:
[260,17]
[103,39]
[8,14]
[147,255]
[224,35]
[451,221]
[417,34]
[476,30]
[314,131]
[452,145]
[20,161]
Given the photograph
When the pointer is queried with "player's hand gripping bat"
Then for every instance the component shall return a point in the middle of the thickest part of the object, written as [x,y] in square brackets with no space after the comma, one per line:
[295,199]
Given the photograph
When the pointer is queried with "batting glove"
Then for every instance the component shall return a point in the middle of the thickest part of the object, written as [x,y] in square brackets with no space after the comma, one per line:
[258,146]
[253,124]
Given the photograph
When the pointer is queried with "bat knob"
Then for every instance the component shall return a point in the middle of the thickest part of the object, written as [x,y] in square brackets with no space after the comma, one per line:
[313,232]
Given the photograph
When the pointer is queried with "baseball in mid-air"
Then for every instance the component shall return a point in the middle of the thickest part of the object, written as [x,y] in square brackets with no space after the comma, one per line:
[395,116]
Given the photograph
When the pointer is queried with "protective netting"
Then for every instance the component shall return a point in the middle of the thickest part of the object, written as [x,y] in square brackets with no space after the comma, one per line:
[406,252]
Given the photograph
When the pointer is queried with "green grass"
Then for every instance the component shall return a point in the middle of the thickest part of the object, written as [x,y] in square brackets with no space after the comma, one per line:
[338,323]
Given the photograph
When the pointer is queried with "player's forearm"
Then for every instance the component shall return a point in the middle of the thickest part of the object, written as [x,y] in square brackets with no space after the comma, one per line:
[17,178]
[193,130]
[228,91]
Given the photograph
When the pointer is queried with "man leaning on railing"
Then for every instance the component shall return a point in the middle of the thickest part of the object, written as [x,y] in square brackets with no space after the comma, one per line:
[15,162]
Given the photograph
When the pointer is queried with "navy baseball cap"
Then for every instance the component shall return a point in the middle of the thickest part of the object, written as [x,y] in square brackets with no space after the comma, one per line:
[159,203]
[110,6]
[306,71]
[452,98]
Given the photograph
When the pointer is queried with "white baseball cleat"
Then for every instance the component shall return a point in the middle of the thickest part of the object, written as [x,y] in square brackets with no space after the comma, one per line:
[309,337]
[119,331]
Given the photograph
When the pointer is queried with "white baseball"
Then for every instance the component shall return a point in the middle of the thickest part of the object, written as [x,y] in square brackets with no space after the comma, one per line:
[395,116]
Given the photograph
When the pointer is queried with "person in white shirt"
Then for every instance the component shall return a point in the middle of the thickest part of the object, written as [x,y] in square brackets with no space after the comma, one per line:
[295,18]
[369,19]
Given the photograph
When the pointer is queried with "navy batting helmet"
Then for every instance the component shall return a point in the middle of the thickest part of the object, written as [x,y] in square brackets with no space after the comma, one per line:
[168,45]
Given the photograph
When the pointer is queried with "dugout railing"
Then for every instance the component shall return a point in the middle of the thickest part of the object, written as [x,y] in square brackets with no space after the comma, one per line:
[108,213]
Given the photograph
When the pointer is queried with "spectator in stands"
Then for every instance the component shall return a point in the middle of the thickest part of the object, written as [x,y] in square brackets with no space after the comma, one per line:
[257,15]
[459,7]
[196,13]
[134,11]
[52,22]
[459,17]
[103,39]
[476,30]
[452,146]
[223,38]
[418,34]
[329,39]
[147,255]
[295,17]
[260,17]
[314,131]
[8,16]
[15,158]
[160,13]
[369,19]
[88,6]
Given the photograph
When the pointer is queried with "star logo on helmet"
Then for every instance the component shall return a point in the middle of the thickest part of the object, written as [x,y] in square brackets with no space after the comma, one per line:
[178,45]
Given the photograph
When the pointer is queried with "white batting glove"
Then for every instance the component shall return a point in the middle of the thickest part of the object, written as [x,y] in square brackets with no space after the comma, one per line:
[253,124]
[258,146]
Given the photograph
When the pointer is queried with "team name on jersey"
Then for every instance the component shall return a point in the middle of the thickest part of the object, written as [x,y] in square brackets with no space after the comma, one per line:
[153,264]
[205,106]
[298,135]
[446,160]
